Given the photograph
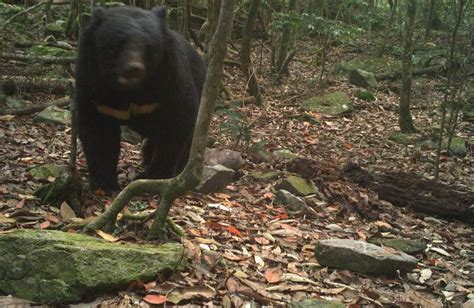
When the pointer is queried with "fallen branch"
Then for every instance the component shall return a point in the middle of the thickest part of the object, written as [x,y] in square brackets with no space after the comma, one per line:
[240,101]
[33,109]
[37,59]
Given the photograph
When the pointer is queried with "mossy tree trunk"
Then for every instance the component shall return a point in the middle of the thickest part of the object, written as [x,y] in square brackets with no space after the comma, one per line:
[246,50]
[405,120]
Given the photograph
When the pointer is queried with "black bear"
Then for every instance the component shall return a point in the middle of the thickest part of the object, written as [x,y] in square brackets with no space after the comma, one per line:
[133,70]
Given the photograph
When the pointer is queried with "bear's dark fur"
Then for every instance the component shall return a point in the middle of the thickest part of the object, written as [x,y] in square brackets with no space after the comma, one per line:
[133,70]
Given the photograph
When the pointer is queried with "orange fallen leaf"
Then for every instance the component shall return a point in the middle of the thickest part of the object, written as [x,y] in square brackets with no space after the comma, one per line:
[273,275]
[155,299]
[233,230]
[44,225]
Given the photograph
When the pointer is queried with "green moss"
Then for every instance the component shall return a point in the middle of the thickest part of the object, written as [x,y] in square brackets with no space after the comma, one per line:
[365,95]
[373,65]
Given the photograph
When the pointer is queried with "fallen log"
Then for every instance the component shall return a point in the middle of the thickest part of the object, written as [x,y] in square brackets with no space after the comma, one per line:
[36,59]
[399,188]
[416,72]
[44,85]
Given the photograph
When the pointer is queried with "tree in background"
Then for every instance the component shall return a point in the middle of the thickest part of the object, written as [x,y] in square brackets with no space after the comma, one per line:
[405,120]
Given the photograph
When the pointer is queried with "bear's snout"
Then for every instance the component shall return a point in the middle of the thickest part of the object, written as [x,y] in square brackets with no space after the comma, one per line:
[132,74]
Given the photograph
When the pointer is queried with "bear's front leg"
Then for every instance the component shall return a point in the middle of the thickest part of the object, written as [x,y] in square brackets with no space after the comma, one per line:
[100,138]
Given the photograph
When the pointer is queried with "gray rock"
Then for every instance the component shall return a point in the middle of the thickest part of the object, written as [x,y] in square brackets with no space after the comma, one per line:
[363,257]
[227,158]
[316,303]
[130,136]
[290,201]
[215,179]
[55,267]
[362,78]
[14,103]
[284,154]
[53,114]
[297,185]
[333,104]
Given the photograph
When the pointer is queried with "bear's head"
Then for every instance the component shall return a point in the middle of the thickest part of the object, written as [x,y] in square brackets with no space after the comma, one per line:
[128,44]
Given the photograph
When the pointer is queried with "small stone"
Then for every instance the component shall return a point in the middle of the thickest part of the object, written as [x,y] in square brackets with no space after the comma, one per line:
[266,176]
[215,179]
[297,186]
[291,201]
[362,257]
[227,158]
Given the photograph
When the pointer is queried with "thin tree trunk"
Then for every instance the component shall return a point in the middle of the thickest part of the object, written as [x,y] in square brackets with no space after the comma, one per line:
[388,30]
[284,44]
[193,170]
[429,20]
[245,52]
[405,120]
[448,84]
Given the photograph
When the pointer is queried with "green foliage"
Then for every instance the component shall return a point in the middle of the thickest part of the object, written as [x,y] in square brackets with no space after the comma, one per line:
[236,124]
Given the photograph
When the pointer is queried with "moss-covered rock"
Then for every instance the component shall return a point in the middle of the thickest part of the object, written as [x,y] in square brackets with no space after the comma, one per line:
[43,50]
[57,267]
[54,115]
[284,154]
[408,246]
[297,186]
[458,146]
[43,172]
[365,95]
[333,104]
[372,64]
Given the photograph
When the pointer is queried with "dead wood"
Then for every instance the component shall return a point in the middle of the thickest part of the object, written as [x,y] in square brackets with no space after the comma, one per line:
[416,72]
[37,59]
[399,188]
[33,109]
[44,85]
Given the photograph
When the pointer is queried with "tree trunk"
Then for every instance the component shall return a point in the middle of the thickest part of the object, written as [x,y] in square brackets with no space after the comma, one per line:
[245,52]
[405,120]
[284,45]
[388,30]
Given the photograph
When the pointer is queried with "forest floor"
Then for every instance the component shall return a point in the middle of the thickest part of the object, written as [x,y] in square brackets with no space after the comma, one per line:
[242,247]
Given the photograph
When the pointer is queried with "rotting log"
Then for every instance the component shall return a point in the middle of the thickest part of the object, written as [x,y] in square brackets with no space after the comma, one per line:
[399,188]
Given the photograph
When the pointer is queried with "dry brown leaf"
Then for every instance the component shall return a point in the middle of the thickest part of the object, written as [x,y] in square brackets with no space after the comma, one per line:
[155,299]
[66,212]
[181,294]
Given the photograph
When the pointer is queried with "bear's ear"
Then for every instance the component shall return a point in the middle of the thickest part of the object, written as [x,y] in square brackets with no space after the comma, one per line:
[98,15]
[160,12]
